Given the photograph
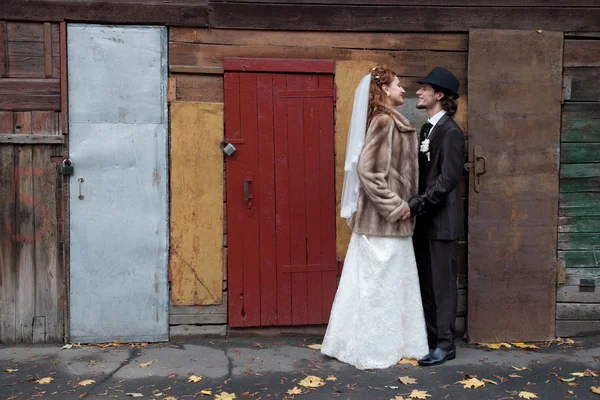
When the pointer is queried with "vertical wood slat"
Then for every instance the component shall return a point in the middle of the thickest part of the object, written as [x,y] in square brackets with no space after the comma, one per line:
[327,191]
[282,202]
[48,49]
[313,206]
[266,195]
[25,254]
[43,122]
[248,115]
[47,272]
[64,99]
[6,122]
[235,259]
[3,50]
[8,273]
[22,122]
[297,201]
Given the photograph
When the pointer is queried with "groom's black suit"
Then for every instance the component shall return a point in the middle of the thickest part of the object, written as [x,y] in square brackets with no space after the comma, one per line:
[439,212]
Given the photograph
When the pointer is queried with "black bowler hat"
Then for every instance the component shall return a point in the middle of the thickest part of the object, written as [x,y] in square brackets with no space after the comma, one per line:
[443,79]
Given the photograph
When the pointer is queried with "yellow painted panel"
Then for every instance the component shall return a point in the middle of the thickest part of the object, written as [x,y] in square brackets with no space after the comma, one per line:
[195,266]
[347,77]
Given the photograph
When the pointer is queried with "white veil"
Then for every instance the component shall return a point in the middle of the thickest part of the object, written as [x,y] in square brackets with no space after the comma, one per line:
[356,141]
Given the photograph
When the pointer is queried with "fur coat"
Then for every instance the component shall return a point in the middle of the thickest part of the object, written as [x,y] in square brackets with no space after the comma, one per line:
[388,171]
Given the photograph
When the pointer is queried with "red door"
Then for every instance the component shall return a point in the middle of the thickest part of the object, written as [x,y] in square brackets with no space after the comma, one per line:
[282,268]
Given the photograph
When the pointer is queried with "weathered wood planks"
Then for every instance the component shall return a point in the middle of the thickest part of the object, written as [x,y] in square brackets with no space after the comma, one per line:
[195,268]
[313,17]
[169,12]
[32,283]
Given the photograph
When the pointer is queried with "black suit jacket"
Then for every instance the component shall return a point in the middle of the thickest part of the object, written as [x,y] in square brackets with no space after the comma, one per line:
[438,206]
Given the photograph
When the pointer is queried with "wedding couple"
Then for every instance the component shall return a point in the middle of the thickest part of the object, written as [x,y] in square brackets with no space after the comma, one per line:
[397,295]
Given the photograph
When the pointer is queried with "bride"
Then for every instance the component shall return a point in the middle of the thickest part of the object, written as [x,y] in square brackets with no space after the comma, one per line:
[377,316]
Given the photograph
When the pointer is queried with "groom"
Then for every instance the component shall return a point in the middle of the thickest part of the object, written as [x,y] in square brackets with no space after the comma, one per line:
[438,207]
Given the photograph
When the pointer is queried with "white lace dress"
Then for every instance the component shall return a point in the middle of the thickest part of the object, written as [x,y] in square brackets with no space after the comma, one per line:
[377,316]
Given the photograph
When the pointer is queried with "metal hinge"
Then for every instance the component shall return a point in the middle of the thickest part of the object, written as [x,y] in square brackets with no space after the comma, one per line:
[566,89]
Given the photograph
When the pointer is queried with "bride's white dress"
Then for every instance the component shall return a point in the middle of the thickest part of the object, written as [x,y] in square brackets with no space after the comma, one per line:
[377,316]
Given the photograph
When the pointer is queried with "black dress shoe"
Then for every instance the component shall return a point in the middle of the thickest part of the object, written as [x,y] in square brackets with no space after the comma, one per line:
[437,356]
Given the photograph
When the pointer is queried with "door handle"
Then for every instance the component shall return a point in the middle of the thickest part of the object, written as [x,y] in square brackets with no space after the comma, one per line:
[247,195]
[479,167]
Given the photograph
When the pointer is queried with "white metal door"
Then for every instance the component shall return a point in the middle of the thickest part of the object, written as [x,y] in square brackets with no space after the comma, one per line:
[119,200]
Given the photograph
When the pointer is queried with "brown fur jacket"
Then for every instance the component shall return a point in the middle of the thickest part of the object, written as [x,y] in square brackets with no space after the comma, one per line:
[388,170]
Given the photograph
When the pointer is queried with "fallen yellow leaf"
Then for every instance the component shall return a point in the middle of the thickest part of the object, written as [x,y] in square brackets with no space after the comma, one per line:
[294,390]
[410,361]
[527,395]
[566,379]
[44,381]
[407,380]
[146,364]
[589,372]
[312,382]
[490,381]
[522,345]
[519,368]
[87,382]
[496,346]
[170,398]
[419,394]
[472,383]
[134,394]
[206,392]
[158,394]
[194,378]
[579,374]
[515,376]
[10,370]
[595,389]
[331,378]
[573,384]
[225,396]
[315,346]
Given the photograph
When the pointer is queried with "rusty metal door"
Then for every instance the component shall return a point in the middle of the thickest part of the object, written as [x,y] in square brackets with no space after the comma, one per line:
[515,87]
[119,194]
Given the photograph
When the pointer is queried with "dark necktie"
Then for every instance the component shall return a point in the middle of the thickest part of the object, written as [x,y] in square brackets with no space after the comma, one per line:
[426,129]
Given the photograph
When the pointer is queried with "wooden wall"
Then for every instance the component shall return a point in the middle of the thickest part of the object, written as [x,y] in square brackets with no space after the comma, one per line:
[322,15]
[33,196]
[196,74]
[578,308]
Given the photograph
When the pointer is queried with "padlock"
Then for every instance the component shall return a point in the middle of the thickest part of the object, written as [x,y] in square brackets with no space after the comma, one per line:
[67,167]
[228,148]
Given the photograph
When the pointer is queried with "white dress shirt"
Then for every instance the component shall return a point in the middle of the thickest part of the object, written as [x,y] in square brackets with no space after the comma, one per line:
[435,119]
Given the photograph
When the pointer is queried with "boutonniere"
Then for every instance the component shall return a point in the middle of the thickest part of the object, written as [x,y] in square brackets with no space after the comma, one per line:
[425,148]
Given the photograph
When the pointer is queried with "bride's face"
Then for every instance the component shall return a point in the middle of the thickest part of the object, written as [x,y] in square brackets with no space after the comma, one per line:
[396,97]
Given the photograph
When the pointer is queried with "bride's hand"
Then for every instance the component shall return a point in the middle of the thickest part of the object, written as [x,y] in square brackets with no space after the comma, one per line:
[405,216]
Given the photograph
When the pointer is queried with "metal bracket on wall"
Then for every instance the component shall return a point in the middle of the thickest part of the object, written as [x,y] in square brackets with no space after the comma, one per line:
[587,285]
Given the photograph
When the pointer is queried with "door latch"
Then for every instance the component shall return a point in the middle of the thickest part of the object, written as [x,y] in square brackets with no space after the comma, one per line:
[479,168]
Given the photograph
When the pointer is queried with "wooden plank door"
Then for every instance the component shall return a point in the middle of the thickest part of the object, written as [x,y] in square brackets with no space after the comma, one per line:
[515,90]
[280,192]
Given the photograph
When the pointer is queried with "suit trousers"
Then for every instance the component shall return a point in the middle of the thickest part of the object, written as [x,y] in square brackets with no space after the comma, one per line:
[436,263]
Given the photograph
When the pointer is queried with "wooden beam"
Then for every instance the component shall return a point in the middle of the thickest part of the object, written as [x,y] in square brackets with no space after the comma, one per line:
[338,40]
[30,94]
[31,139]
[576,328]
[167,12]
[455,3]
[64,94]
[277,65]
[312,17]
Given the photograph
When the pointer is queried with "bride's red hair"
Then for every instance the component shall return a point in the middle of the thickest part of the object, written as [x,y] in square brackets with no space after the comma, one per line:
[377,98]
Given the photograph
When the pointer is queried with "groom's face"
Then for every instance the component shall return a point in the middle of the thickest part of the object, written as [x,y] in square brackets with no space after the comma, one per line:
[427,96]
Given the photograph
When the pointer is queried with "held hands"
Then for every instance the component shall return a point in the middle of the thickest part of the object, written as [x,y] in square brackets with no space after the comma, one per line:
[405,216]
